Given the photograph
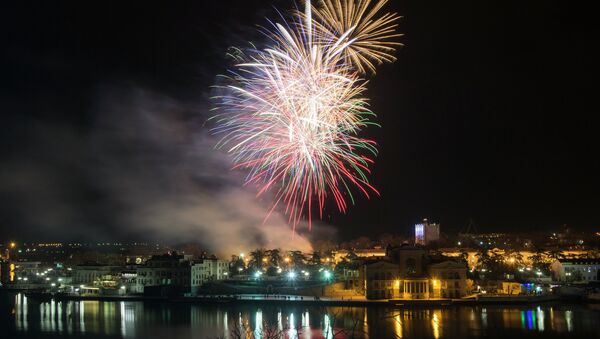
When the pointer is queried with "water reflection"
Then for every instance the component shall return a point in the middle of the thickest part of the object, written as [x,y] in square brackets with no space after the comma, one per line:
[148,320]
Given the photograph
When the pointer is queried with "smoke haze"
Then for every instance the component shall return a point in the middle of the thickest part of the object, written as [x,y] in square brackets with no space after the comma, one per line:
[146,169]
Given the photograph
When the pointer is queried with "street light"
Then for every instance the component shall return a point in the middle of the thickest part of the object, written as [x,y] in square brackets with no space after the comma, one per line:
[327,275]
[291,275]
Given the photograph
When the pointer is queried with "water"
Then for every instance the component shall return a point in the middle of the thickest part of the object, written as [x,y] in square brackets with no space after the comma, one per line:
[23,317]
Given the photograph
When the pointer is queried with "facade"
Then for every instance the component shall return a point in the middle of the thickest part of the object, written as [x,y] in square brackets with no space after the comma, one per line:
[164,270]
[448,279]
[415,288]
[382,281]
[209,269]
[88,274]
[408,272]
[580,270]
[426,232]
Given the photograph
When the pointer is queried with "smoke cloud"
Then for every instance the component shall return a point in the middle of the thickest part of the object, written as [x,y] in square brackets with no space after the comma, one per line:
[145,169]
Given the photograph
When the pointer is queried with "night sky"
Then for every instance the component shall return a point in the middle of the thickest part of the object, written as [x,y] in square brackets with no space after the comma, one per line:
[489,113]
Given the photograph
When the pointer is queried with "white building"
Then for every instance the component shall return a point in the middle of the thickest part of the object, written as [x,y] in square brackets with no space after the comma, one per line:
[209,269]
[87,274]
[582,270]
[164,270]
[426,232]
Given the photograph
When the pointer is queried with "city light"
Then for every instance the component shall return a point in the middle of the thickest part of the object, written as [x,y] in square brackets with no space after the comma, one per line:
[291,275]
[257,274]
[327,274]
[13,245]
[123,287]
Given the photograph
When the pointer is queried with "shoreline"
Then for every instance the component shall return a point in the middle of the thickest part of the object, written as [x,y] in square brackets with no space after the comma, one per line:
[311,301]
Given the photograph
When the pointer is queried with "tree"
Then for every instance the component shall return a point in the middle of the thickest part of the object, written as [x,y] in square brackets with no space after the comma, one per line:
[275,257]
[256,257]
[236,264]
[316,258]
[297,258]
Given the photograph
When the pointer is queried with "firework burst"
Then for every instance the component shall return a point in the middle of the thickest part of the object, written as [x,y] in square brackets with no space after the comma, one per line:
[291,113]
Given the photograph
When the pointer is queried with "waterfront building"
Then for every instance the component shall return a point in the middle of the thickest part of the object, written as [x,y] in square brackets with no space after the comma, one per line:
[89,273]
[382,281]
[408,272]
[208,269]
[448,279]
[169,269]
[576,270]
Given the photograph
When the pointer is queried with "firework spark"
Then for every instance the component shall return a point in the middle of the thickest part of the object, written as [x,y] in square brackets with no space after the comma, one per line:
[291,113]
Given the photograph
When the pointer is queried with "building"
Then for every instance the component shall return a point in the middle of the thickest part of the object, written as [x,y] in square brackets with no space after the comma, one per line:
[209,269]
[90,273]
[382,281]
[448,279]
[5,273]
[426,232]
[167,270]
[576,270]
[408,272]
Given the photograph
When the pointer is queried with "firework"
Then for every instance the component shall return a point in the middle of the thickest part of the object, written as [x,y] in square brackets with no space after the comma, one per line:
[291,113]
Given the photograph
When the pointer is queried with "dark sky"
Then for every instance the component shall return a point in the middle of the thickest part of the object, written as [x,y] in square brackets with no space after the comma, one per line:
[490,113]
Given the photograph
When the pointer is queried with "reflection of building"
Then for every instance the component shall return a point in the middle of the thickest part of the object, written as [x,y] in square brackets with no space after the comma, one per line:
[426,232]
[576,269]
[208,269]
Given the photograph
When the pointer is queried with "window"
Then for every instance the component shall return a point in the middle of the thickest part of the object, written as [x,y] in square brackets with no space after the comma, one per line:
[411,266]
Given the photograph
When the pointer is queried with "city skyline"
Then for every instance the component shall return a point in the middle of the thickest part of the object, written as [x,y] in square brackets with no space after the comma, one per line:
[483,118]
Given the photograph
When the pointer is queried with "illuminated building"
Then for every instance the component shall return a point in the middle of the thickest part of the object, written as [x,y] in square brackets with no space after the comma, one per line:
[409,272]
[426,232]
[382,280]
[209,269]
[164,274]
[581,270]
[448,279]
[88,274]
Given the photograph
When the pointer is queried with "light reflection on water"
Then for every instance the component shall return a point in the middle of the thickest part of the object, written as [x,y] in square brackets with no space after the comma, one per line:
[148,320]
